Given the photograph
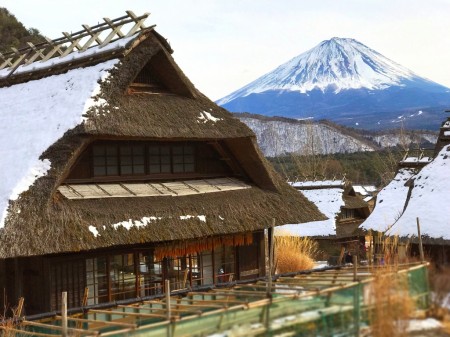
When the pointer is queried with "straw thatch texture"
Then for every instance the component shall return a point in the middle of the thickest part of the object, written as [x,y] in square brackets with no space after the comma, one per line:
[158,115]
[46,226]
[355,202]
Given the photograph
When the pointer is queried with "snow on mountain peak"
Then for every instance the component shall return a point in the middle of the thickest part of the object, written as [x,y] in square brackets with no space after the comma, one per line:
[336,64]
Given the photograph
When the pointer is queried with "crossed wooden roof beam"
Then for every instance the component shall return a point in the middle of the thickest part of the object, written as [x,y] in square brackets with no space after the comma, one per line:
[78,41]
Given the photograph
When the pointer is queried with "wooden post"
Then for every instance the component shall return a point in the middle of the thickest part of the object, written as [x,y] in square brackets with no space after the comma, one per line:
[270,269]
[19,309]
[185,276]
[168,299]
[168,310]
[422,256]
[64,313]
[341,256]
[355,268]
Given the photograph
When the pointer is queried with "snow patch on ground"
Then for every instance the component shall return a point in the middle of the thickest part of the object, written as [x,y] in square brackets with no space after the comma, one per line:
[423,324]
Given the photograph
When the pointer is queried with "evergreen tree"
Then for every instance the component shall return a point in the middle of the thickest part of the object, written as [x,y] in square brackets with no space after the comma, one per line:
[14,34]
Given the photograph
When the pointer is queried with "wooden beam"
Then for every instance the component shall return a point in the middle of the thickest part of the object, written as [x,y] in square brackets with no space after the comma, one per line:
[125,313]
[59,328]
[87,320]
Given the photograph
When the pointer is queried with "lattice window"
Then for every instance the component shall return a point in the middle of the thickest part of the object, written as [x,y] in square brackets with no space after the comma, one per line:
[159,159]
[67,276]
[122,277]
[105,160]
[97,280]
[183,159]
[150,274]
[347,213]
[132,159]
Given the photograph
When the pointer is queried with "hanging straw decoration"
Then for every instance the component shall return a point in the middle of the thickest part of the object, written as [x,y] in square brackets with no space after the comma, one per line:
[183,248]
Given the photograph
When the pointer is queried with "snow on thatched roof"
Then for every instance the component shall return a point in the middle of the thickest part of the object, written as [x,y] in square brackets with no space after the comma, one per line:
[429,201]
[32,119]
[390,202]
[329,201]
[310,184]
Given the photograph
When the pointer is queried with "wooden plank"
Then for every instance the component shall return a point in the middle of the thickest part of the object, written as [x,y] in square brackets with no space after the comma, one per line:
[69,193]
[179,188]
[74,43]
[142,189]
[25,332]
[115,190]
[202,186]
[112,323]
[124,313]
[59,328]
[89,191]
[159,309]
[115,332]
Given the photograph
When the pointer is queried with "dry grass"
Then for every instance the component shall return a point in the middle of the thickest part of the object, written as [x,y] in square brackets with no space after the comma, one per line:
[294,253]
[391,304]
[391,249]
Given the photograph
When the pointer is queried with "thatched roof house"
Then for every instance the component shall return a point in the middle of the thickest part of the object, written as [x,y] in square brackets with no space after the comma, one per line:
[417,191]
[338,201]
[107,145]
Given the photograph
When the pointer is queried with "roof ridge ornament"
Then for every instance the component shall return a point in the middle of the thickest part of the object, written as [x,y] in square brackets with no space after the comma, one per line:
[79,41]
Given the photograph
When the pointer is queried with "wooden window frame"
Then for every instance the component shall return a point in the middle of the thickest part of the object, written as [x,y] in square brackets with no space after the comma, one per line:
[146,163]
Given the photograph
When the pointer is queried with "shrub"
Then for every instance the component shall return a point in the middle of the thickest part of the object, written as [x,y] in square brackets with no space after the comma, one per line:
[294,253]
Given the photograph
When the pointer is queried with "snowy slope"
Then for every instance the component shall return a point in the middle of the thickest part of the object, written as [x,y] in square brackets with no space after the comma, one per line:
[33,116]
[329,202]
[429,201]
[390,203]
[277,138]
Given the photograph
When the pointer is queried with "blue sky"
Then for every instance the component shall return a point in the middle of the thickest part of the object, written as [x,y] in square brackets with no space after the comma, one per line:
[223,45]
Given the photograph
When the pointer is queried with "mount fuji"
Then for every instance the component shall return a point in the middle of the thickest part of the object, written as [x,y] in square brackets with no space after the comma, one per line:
[344,81]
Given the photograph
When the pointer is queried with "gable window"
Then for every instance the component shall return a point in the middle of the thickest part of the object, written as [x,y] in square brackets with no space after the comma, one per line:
[105,160]
[111,161]
[347,213]
[183,159]
[132,160]
[141,159]
[159,159]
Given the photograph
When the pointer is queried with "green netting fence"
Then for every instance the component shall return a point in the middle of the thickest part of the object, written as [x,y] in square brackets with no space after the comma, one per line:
[294,308]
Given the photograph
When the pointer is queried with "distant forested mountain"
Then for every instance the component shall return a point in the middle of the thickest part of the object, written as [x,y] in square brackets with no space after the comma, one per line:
[14,34]
[279,136]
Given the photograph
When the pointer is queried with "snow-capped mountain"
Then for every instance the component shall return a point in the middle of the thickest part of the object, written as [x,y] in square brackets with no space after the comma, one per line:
[343,80]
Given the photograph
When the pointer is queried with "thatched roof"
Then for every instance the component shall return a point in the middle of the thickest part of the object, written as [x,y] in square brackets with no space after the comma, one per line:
[444,136]
[330,196]
[72,102]
[428,201]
